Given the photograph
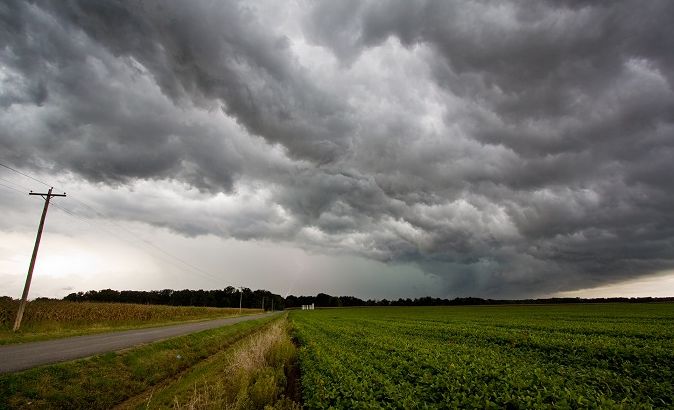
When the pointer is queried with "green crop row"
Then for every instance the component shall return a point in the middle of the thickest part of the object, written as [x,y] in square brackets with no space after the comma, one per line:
[580,356]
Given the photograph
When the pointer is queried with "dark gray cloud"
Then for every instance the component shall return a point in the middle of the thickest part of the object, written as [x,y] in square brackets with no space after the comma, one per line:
[512,149]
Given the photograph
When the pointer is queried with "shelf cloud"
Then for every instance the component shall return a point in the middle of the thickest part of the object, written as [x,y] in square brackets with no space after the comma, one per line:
[509,149]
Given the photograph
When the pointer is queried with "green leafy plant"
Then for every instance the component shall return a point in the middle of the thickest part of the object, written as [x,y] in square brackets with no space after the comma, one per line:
[570,356]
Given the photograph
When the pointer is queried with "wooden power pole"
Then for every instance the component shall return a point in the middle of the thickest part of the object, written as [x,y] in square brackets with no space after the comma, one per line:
[24,297]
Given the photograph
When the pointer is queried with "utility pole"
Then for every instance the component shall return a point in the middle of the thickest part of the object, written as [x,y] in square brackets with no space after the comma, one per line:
[272,304]
[240,299]
[263,303]
[24,297]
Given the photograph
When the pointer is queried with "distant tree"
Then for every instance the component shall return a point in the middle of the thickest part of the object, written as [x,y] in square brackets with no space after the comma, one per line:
[229,297]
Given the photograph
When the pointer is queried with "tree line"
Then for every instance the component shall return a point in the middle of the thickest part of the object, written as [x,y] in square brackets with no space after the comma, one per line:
[325,300]
[229,297]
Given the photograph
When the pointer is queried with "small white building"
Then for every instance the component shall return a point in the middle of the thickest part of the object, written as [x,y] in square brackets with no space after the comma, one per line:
[308,307]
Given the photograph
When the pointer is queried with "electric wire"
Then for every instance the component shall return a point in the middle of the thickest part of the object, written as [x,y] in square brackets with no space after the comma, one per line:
[25,175]
[109,232]
[15,184]
[194,268]
[140,238]
[145,241]
[12,188]
[90,221]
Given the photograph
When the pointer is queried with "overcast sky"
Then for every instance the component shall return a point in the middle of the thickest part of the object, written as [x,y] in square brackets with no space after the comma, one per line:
[372,148]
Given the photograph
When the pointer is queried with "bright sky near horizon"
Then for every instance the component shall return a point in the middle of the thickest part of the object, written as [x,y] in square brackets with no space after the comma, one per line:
[380,149]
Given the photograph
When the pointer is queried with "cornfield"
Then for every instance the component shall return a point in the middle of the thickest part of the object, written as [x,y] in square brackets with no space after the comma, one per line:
[62,313]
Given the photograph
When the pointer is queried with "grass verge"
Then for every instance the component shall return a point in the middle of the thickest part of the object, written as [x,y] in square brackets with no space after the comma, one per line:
[102,381]
[49,319]
[257,372]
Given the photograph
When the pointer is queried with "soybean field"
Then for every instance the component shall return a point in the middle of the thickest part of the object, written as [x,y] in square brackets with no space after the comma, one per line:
[551,356]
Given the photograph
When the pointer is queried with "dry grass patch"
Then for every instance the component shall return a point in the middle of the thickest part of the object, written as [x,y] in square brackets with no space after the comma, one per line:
[253,374]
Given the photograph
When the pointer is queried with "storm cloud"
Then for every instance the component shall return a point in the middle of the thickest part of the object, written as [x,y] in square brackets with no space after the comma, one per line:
[510,148]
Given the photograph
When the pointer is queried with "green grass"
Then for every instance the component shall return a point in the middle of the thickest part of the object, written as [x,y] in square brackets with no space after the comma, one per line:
[103,381]
[556,356]
[49,319]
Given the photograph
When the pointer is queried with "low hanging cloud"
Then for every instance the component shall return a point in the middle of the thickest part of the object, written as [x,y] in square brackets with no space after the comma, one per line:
[510,149]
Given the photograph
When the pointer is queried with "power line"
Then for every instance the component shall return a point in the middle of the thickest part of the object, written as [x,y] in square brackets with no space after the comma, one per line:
[103,215]
[24,297]
[145,241]
[89,221]
[89,207]
[148,243]
[25,175]
[71,213]
[12,188]
[15,183]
